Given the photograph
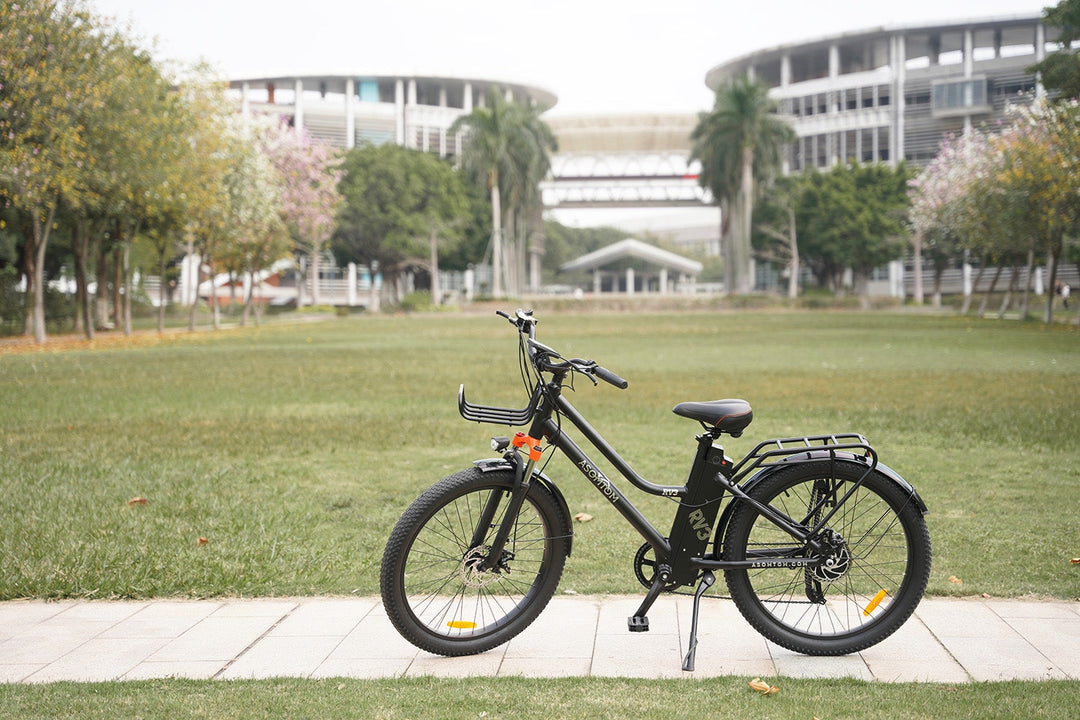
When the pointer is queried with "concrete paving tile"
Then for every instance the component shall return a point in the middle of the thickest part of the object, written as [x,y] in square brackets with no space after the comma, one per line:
[1009,609]
[482,665]
[649,654]
[1056,639]
[333,616]
[43,643]
[18,616]
[565,629]
[546,667]
[722,630]
[913,654]
[1001,658]
[957,618]
[614,612]
[793,665]
[163,619]
[362,668]
[256,608]
[282,657]
[374,637]
[100,612]
[98,660]
[191,670]
[14,673]
[216,638]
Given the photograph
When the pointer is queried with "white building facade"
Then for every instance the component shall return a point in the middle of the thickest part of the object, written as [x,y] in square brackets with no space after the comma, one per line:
[352,109]
[892,93]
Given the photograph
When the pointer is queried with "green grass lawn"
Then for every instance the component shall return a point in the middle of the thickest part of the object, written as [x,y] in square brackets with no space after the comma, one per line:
[293,448]
[529,699]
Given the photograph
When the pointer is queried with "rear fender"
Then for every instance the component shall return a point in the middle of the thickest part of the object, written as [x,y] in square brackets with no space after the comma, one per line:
[812,456]
[493,464]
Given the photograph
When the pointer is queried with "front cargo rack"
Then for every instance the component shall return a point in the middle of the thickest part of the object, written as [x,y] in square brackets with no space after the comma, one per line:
[767,452]
[497,415]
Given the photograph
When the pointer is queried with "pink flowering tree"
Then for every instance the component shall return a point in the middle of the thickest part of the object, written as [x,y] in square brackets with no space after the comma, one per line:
[309,171]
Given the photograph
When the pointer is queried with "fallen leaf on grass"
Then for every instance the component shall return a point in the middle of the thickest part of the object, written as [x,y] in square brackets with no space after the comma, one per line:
[955,580]
[201,541]
[763,687]
[137,501]
[583,517]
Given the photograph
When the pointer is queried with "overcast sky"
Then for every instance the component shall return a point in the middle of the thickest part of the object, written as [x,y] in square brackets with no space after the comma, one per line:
[597,56]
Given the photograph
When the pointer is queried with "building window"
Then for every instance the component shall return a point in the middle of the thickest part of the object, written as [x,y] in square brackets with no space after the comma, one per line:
[883,144]
[959,97]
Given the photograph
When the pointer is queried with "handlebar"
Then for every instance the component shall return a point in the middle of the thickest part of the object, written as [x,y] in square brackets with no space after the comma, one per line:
[546,359]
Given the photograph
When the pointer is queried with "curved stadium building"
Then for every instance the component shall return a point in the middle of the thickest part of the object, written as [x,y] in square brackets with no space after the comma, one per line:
[891,93]
[351,109]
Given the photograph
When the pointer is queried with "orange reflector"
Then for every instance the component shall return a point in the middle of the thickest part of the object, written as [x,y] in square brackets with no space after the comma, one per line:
[874,602]
[461,625]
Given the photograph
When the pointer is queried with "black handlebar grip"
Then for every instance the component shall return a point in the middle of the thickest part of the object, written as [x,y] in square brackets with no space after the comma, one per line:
[610,377]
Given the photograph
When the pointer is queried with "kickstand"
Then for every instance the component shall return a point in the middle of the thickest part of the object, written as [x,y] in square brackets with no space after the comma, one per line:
[707,580]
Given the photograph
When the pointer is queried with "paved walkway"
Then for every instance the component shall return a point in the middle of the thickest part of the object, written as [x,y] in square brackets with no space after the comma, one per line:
[948,640]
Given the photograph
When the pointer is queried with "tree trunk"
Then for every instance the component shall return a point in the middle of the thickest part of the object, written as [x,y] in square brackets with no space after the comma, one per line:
[917,268]
[247,298]
[161,291]
[215,305]
[1052,262]
[793,247]
[197,270]
[313,272]
[80,249]
[433,248]
[939,270]
[126,256]
[1009,292]
[496,237]
[1027,284]
[741,246]
[118,270]
[101,298]
[967,298]
[989,292]
[41,240]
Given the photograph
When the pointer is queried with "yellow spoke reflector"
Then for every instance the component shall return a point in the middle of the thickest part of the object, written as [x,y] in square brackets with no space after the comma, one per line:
[874,602]
[465,625]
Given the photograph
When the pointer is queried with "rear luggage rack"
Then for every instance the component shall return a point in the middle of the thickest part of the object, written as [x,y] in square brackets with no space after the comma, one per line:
[497,415]
[769,451]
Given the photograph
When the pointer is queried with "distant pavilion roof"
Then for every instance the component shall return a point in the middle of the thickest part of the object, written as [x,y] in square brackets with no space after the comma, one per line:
[630,248]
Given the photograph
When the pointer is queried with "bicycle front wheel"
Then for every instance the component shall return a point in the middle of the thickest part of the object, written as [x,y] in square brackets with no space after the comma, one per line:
[435,587]
[874,559]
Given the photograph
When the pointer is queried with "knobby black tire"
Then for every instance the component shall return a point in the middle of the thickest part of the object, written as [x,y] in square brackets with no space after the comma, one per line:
[431,589]
[876,581]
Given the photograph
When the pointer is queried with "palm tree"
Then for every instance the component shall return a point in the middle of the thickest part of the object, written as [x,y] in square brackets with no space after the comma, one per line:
[508,146]
[739,142]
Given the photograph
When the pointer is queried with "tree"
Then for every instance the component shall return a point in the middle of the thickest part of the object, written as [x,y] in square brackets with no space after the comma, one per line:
[47,104]
[254,224]
[739,143]
[1060,71]
[852,216]
[507,145]
[776,236]
[310,172]
[398,204]
[1040,164]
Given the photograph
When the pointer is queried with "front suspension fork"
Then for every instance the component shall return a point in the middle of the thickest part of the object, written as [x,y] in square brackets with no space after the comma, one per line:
[523,470]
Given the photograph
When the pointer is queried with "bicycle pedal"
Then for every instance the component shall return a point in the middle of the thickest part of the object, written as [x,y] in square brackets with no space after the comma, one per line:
[638,624]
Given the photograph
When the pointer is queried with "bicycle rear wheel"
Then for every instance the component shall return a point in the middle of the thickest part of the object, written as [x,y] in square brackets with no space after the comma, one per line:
[873,571]
[434,587]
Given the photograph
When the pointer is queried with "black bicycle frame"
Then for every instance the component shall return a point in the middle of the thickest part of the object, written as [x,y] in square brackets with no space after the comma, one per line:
[681,556]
